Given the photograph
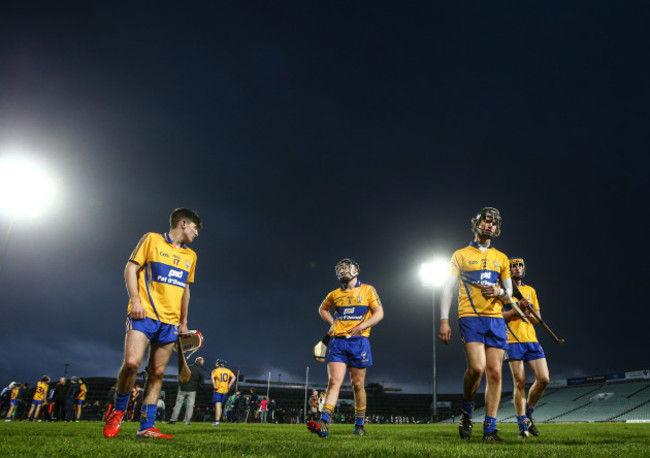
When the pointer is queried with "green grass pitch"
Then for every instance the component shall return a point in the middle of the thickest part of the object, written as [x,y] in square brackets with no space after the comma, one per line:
[85,439]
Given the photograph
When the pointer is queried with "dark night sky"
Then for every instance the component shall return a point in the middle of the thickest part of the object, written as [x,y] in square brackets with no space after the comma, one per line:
[303,134]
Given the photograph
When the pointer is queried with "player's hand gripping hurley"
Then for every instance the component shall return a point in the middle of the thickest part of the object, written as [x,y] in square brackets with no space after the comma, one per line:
[509,299]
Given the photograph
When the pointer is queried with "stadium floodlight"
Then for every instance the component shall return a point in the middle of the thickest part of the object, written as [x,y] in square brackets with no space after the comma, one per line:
[26,190]
[434,274]
[26,187]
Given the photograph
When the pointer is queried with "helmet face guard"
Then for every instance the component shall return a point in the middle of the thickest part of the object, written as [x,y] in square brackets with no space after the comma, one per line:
[516,262]
[346,269]
[487,214]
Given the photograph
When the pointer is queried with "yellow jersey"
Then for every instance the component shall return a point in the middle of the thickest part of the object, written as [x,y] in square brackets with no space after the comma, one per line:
[162,280]
[475,268]
[523,332]
[41,391]
[82,393]
[221,377]
[351,307]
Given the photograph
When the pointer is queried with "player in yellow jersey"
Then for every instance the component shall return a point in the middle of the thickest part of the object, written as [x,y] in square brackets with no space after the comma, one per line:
[81,397]
[13,400]
[222,380]
[39,398]
[524,347]
[158,276]
[356,309]
[484,276]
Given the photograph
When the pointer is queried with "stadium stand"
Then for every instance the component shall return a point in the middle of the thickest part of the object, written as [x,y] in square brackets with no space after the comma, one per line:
[622,401]
[591,402]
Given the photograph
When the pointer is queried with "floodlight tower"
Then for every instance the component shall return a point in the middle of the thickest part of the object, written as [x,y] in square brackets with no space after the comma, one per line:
[434,274]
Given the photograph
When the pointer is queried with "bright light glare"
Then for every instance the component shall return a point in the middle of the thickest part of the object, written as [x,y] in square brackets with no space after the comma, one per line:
[434,273]
[26,188]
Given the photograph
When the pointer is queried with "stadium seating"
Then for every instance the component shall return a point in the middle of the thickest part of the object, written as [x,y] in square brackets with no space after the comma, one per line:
[585,403]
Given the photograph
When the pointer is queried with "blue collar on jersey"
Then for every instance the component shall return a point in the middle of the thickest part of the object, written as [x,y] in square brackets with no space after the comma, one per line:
[168,239]
[356,286]
[475,244]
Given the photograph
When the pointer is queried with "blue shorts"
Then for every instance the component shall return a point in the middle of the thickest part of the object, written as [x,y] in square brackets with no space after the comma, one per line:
[487,330]
[219,397]
[37,403]
[527,351]
[13,402]
[353,351]
[156,331]
[79,402]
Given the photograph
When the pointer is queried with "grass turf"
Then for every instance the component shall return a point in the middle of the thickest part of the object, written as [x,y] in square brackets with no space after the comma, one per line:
[202,439]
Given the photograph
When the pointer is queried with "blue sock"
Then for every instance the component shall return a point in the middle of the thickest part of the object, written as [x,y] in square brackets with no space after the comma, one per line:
[121,401]
[326,413]
[529,410]
[489,424]
[522,423]
[469,407]
[148,416]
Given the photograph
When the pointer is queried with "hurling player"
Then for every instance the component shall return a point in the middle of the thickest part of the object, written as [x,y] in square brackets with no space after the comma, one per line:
[481,270]
[356,309]
[524,347]
[158,276]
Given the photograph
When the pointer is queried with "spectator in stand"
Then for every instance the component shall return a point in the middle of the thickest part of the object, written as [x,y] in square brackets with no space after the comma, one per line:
[71,395]
[313,408]
[272,408]
[240,407]
[263,409]
[228,408]
[160,408]
[252,406]
[24,400]
[60,391]
[187,392]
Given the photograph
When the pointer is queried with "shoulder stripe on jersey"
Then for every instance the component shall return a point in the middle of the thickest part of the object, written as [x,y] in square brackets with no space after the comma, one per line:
[137,247]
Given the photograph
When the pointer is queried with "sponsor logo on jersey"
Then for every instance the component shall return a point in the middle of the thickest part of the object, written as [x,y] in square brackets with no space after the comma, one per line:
[166,274]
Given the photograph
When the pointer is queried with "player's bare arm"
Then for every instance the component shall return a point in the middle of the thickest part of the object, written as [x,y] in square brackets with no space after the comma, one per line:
[377,316]
[327,317]
[444,333]
[131,278]
[185,303]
